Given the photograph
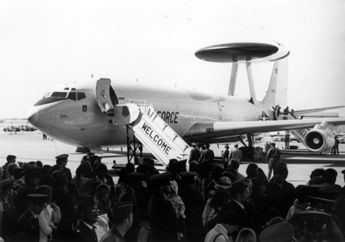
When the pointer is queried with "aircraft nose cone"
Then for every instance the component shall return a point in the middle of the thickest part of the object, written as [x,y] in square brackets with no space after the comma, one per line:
[33,117]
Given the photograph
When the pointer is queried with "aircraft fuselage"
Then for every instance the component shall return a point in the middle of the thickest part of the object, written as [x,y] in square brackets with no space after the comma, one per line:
[81,122]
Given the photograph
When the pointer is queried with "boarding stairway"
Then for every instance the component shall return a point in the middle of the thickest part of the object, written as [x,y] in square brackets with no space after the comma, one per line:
[158,137]
[155,134]
[298,133]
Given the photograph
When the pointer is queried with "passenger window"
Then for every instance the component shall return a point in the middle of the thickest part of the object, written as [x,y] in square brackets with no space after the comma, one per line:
[72,96]
[81,95]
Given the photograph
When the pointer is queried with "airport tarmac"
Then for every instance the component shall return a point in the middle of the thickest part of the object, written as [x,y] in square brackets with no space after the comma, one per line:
[29,146]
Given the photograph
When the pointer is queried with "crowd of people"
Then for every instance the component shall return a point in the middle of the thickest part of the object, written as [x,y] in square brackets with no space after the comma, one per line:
[199,199]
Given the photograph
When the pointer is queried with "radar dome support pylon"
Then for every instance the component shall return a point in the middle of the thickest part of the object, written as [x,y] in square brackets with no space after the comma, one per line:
[247,52]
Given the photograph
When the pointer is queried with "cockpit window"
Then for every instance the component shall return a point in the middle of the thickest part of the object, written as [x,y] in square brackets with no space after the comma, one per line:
[72,96]
[58,96]
[81,95]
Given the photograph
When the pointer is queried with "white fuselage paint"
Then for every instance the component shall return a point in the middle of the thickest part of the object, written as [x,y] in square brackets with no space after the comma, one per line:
[67,121]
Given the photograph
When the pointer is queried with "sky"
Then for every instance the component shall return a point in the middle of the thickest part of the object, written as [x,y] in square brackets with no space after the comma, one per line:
[46,44]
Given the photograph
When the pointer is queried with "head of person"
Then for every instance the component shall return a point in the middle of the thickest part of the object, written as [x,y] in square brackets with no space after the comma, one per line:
[11,158]
[331,176]
[273,145]
[39,164]
[220,199]
[252,171]
[226,147]
[223,183]
[37,202]
[236,146]
[123,216]
[162,182]
[281,170]
[88,211]
[102,193]
[240,191]
[61,160]
[246,235]
[282,232]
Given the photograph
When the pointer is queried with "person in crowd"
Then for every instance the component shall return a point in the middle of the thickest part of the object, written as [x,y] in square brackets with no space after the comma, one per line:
[280,192]
[88,214]
[246,235]
[121,223]
[240,193]
[10,159]
[49,216]
[225,155]
[207,155]
[233,167]
[225,229]
[213,208]
[281,231]
[163,218]
[193,201]
[66,198]
[300,203]
[194,153]
[27,228]
[236,154]
[61,163]
[272,158]
[32,179]
[330,189]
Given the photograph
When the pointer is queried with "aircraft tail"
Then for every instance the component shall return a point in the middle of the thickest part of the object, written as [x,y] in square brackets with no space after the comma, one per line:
[276,93]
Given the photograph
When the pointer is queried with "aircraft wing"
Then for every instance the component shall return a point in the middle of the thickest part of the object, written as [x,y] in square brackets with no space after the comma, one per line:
[220,131]
[315,110]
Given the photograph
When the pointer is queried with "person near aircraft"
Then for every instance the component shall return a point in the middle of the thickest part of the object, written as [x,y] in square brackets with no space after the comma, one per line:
[272,158]
[194,153]
[236,154]
[207,155]
[225,155]
[335,148]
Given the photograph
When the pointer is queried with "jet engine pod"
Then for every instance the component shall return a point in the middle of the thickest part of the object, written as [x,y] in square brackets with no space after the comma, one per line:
[243,51]
[319,140]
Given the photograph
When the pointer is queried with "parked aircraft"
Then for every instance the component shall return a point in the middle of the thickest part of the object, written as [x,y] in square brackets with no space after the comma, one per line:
[97,113]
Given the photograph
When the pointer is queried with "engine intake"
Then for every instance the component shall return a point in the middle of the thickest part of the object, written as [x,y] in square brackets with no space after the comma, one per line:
[319,140]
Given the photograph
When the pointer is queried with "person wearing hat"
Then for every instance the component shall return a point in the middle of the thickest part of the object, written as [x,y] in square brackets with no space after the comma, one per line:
[27,223]
[61,162]
[194,205]
[225,229]
[122,221]
[32,178]
[163,218]
[282,232]
[272,159]
[49,216]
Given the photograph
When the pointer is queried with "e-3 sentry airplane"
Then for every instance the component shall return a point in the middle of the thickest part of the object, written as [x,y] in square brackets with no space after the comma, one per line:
[98,113]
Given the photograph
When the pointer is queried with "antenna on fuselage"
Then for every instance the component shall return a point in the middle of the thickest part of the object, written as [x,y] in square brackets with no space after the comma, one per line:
[243,52]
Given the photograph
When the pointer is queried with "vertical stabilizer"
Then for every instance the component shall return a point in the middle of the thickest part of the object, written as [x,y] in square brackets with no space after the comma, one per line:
[276,93]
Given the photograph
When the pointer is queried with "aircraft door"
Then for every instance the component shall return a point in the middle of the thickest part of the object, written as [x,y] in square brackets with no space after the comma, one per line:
[105,96]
